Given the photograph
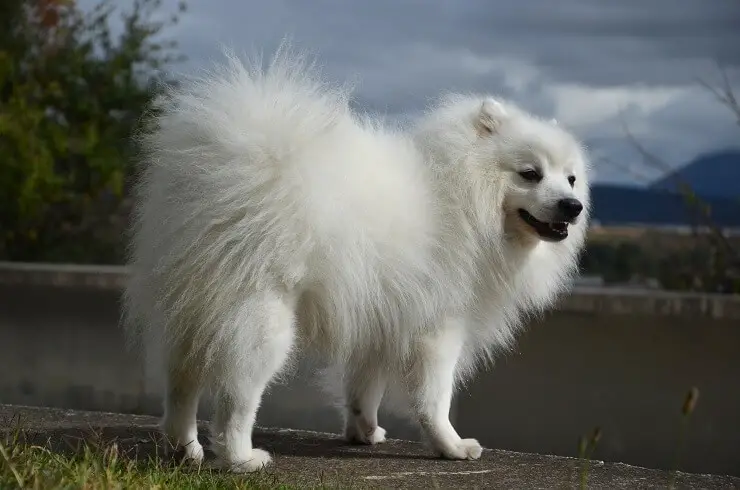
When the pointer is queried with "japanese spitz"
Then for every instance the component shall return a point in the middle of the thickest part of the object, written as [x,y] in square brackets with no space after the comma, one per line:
[271,220]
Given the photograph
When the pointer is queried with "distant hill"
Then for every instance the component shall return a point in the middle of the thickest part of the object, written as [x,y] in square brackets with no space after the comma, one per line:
[714,174]
[615,205]
[714,177]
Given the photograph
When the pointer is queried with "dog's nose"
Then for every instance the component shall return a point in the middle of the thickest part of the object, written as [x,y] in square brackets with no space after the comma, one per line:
[570,207]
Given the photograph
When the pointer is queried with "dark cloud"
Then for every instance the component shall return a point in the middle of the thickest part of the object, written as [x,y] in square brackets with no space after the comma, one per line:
[575,40]
[594,64]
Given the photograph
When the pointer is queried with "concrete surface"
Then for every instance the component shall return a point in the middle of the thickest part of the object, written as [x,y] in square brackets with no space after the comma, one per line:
[622,360]
[305,458]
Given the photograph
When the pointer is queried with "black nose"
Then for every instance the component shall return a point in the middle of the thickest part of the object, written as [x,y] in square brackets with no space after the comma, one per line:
[570,208]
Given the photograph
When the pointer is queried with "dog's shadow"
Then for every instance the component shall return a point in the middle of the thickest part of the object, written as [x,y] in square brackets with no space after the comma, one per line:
[143,443]
[320,445]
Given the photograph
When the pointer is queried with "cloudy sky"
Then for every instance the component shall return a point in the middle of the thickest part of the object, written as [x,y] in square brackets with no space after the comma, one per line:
[596,66]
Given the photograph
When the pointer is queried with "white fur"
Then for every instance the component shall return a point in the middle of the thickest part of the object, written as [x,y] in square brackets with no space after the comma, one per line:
[271,219]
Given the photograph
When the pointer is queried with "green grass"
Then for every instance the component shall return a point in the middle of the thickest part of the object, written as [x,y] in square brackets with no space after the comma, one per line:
[24,465]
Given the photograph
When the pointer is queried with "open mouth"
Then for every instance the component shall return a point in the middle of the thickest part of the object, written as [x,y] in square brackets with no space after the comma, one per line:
[552,232]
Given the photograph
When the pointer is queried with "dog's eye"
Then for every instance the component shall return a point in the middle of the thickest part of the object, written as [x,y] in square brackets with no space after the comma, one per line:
[530,175]
[572,180]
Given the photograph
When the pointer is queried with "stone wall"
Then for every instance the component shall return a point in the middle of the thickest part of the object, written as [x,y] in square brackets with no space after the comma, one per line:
[622,360]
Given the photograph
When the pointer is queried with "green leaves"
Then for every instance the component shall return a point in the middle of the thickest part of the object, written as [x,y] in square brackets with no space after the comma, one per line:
[71,94]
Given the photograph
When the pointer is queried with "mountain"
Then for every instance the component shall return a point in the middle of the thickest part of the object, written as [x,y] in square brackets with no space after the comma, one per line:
[615,205]
[714,174]
[714,177]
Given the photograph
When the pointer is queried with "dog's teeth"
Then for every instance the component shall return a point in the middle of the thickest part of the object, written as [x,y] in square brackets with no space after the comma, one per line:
[558,226]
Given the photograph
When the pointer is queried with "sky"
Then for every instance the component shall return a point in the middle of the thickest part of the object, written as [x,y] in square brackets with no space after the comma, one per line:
[601,68]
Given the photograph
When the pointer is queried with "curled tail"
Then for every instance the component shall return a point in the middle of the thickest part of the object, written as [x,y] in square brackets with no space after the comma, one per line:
[215,208]
[250,106]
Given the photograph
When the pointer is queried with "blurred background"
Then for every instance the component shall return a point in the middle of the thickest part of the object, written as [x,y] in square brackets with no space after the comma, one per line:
[651,88]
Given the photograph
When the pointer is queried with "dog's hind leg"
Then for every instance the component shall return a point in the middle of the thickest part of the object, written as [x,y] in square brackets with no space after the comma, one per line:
[364,386]
[181,407]
[255,348]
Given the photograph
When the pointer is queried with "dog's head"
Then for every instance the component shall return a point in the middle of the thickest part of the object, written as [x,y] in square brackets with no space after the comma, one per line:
[546,191]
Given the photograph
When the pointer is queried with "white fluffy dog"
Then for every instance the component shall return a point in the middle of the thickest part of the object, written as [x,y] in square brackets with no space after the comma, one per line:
[271,219]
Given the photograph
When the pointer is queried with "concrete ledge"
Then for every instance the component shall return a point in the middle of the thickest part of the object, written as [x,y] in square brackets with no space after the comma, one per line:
[104,277]
[304,458]
[582,299]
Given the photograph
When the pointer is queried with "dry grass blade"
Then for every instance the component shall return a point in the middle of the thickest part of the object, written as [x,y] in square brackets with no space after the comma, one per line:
[11,467]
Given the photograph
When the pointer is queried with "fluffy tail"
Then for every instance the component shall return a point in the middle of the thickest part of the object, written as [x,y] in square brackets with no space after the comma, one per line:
[210,190]
[270,107]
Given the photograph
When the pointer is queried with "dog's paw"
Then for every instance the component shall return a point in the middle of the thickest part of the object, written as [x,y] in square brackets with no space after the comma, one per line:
[257,461]
[464,449]
[192,453]
[374,436]
[377,436]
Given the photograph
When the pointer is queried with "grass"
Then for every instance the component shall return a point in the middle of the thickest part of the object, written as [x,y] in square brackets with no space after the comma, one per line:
[687,410]
[24,465]
[587,446]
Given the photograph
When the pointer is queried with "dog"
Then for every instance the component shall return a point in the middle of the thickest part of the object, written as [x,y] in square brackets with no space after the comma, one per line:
[272,220]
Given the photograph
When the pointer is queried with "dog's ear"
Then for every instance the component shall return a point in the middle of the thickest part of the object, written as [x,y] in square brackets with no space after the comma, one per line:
[490,117]
[554,121]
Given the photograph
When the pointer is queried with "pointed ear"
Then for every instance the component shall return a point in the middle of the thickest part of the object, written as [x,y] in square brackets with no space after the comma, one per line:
[554,121]
[490,117]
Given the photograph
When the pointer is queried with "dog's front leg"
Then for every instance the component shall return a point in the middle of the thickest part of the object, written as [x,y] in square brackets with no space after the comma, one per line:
[430,382]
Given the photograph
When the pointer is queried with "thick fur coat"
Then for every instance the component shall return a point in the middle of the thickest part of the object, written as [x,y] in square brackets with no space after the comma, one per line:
[272,220]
